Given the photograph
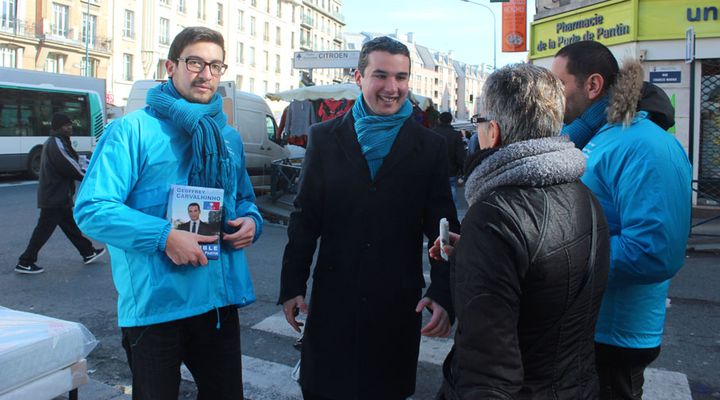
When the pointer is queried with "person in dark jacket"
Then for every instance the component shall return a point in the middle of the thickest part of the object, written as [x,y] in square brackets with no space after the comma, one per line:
[373,182]
[59,169]
[455,149]
[532,262]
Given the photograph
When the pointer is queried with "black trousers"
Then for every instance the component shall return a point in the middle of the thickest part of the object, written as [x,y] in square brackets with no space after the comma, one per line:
[48,220]
[211,353]
[621,370]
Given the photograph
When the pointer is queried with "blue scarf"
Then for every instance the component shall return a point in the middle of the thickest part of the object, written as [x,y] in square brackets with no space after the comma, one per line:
[377,133]
[211,165]
[586,126]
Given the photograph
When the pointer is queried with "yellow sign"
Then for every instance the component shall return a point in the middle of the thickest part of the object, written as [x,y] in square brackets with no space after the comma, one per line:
[669,19]
[609,23]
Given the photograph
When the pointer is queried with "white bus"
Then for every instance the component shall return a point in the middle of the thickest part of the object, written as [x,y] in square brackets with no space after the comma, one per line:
[26,111]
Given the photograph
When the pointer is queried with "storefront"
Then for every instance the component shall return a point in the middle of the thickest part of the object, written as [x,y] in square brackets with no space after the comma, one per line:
[658,32]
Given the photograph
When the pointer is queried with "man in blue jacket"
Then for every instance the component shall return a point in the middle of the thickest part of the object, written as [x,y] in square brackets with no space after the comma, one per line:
[641,176]
[174,305]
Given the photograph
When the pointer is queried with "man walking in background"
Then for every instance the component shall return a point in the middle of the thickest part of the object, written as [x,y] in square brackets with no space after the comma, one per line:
[59,169]
[455,149]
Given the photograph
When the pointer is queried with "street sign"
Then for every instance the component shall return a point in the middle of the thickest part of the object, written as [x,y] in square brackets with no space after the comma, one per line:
[665,77]
[690,44]
[326,59]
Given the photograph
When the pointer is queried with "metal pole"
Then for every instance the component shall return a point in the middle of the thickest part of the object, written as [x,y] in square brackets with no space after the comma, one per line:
[87,40]
[494,30]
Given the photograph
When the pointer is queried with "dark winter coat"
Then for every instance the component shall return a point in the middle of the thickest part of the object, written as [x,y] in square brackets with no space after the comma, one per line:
[59,169]
[525,297]
[455,148]
[362,333]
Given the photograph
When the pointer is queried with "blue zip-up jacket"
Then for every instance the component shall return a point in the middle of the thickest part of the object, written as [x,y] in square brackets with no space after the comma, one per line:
[123,202]
[642,177]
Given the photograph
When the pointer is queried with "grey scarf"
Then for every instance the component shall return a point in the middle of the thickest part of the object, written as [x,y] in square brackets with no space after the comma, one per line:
[534,163]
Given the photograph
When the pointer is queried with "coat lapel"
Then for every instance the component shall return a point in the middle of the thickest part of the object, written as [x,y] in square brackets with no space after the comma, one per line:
[401,147]
[347,139]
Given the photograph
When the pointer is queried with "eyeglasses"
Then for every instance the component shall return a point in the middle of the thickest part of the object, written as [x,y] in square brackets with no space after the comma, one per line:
[478,119]
[197,65]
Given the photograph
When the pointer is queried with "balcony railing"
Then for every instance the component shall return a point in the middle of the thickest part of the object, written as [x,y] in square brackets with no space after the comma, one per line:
[307,20]
[19,28]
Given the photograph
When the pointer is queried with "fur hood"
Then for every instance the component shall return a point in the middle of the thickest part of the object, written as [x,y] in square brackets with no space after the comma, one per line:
[630,94]
[626,93]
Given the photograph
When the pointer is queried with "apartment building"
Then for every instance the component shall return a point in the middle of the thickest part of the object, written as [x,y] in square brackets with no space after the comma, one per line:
[260,38]
[321,29]
[55,36]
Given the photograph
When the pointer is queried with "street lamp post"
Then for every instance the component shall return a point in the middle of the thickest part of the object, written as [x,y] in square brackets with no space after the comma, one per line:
[494,30]
[87,40]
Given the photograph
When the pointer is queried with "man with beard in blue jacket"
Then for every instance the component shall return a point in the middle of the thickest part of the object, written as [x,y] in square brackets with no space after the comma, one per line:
[642,178]
[174,305]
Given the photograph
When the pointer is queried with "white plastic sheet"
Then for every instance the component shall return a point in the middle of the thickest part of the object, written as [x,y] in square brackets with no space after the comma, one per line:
[33,346]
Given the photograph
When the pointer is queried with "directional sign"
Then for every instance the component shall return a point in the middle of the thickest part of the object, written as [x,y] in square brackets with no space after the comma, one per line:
[326,59]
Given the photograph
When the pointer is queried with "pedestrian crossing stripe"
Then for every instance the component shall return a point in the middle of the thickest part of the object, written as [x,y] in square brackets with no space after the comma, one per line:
[432,350]
[265,377]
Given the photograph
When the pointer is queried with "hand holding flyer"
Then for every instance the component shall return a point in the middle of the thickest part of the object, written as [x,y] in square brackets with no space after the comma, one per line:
[444,237]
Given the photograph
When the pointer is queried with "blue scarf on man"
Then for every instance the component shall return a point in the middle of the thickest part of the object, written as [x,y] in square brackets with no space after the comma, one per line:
[586,126]
[211,165]
[376,133]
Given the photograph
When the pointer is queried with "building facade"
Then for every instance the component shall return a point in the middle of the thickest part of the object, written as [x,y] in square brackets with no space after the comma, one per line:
[55,36]
[678,42]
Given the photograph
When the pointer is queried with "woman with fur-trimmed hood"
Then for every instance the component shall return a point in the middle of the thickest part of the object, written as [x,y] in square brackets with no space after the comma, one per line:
[532,263]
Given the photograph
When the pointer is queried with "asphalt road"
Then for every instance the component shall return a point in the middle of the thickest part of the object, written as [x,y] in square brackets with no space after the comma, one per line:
[85,293]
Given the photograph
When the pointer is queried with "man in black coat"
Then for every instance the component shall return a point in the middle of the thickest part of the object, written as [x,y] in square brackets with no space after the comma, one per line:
[373,183]
[59,169]
[532,263]
[455,149]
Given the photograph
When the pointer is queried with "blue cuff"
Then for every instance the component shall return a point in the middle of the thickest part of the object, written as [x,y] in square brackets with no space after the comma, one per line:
[258,226]
[162,240]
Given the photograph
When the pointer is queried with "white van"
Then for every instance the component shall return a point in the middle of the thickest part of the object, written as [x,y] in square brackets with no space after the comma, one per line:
[246,112]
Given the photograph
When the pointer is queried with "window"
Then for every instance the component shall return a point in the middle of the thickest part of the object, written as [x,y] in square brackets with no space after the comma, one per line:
[89,31]
[293,13]
[251,85]
[165,2]
[277,87]
[267,6]
[253,3]
[127,67]
[201,10]
[8,57]
[252,26]
[278,9]
[241,20]
[278,36]
[266,55]
[238,81]
[55,63]
[266,32]
[164,31]
[7,14]
[240,56]
[265,86]
[129,24]
[181,6]
[220,12]
[60,20]
[92,71]
[277,63]
[292,40]
[251,56]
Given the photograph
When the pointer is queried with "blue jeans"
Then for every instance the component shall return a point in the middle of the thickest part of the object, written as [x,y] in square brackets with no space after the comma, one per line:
[212,355]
